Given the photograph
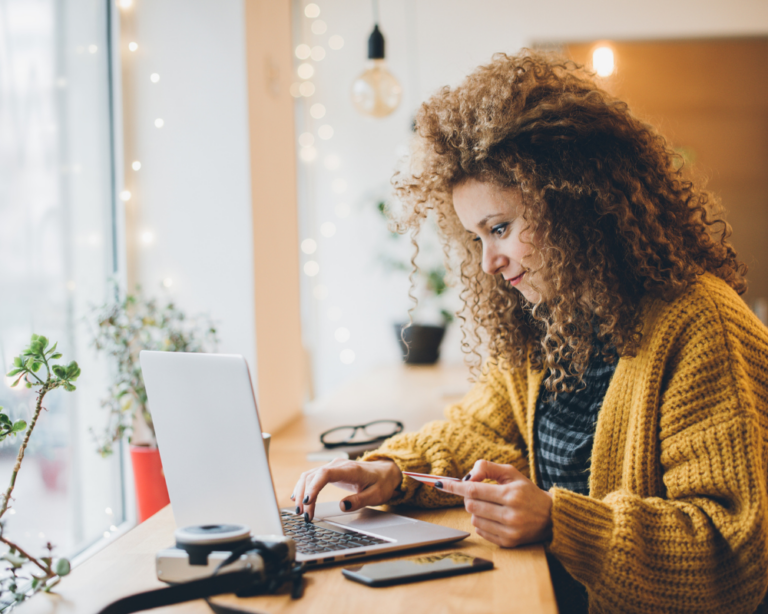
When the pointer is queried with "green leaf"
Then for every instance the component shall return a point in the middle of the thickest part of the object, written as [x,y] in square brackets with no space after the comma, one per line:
[17,362]
[62,567]
[17,381]
[56,356]
[14,372]
[20,425]
[36,366]
[59,371]
[69,387]
[53,349]
[35,582]
[43,342]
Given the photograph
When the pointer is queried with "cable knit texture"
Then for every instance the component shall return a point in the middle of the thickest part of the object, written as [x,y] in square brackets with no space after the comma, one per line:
[675,520]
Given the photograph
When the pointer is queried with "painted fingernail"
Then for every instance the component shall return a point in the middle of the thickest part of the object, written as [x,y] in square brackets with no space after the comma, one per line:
[347,505]
[306,499]
[298,510]
[466,477]
[306,516]
[293,497]
[438,484]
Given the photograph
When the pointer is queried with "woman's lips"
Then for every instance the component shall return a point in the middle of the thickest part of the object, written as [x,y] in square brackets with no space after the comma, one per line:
[516,280]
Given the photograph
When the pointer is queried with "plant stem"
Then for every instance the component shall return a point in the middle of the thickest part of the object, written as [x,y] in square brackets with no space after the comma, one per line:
[48,572]
[48,386]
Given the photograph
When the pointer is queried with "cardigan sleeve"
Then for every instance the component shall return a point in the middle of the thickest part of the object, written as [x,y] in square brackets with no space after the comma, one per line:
[703,546]
[483,425]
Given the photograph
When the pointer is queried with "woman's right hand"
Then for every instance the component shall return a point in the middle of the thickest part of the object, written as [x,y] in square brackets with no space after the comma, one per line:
[373,483]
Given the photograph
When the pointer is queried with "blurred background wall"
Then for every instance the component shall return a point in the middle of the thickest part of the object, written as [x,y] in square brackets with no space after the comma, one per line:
[189,215]
[351,300]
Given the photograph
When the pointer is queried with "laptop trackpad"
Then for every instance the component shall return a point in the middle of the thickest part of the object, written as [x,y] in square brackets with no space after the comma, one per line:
[368,519]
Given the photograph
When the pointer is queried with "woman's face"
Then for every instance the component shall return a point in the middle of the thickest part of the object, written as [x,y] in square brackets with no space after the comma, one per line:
[495,216]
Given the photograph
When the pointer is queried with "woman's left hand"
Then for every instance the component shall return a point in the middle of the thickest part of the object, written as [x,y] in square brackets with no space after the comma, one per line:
[510,513]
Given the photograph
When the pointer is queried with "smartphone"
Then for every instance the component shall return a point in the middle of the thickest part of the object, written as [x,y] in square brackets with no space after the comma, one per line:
[414,570]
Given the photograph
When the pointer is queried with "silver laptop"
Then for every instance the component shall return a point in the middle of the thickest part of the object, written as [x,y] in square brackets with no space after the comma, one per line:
[216,467]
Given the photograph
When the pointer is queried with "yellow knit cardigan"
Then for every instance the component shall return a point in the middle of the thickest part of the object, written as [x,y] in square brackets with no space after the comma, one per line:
[676,516]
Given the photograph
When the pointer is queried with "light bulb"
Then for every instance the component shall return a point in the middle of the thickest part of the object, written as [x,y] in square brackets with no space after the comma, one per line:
[603,61]
[376,92]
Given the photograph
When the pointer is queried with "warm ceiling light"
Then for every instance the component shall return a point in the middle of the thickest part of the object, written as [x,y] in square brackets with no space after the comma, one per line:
[603,61]
[376,92]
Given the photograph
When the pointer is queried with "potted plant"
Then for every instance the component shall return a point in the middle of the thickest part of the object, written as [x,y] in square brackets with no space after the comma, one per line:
[420,338]
[122,328]
[25,574]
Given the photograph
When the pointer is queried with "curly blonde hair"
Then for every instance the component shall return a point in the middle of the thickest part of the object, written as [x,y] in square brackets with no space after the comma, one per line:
[603,193]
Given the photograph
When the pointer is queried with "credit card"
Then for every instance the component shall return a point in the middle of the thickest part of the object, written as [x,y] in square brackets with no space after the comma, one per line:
[429,479]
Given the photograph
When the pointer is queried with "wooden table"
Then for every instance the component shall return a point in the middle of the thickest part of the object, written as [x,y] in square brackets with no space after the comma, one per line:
[519,583]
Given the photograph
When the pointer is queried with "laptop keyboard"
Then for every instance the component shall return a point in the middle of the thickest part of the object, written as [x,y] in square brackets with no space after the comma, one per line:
[318,537]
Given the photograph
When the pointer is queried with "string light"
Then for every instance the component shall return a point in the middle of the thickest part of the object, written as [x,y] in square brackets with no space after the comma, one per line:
[325,132]
[125,196]
[342,334]
[332,162]
[305,71]
[341,210]
[306,139]
[92,48]
[136,165]
[167,282]
[336,42]
[312,10]
[125,4]
[328,229]
[311,268]
[296,89]
[307,89]
[339,186]
[147,237]
[154,77]
[309,246]
[320,292]
[347,356]
[133,46]
[319,27]
[159,123]
[318,53]
[317,111]
[308,154]
[303,51]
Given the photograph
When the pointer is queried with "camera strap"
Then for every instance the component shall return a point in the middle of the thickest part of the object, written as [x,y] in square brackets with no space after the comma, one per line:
[233,582]
[244,583]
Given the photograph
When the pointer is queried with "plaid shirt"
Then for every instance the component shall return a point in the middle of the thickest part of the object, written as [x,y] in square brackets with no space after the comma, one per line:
[565,428]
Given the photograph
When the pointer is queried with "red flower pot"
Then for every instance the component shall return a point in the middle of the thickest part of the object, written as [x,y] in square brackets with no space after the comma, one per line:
[151,491]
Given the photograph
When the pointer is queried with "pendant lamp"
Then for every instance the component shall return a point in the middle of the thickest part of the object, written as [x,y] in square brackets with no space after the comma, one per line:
[376,92]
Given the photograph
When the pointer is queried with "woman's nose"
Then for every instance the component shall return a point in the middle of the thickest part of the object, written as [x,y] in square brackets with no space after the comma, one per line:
[493,261]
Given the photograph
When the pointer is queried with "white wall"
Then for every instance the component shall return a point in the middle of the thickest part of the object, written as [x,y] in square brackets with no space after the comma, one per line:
[193,189]
[430,43]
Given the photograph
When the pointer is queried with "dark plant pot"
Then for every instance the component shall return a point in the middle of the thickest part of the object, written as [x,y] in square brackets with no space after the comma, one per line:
[420,343]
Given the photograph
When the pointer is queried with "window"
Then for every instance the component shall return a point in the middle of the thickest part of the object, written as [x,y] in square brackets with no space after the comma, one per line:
[56,254]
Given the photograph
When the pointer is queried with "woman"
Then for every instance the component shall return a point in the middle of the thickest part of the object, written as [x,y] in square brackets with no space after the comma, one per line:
[623,408]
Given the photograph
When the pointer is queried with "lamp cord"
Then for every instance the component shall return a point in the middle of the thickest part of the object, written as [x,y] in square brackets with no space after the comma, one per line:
[376,12]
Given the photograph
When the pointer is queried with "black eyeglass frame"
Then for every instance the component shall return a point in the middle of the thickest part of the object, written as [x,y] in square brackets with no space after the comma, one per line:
[348,441]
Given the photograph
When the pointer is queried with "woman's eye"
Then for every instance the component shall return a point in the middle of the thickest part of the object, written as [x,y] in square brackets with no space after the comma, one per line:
[499,229]
[476,239]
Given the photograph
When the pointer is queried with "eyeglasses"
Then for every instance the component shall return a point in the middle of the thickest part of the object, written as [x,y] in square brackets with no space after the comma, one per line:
[378,430]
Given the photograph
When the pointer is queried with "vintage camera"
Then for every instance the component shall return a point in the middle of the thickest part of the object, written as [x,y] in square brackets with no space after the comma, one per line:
[207,550]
